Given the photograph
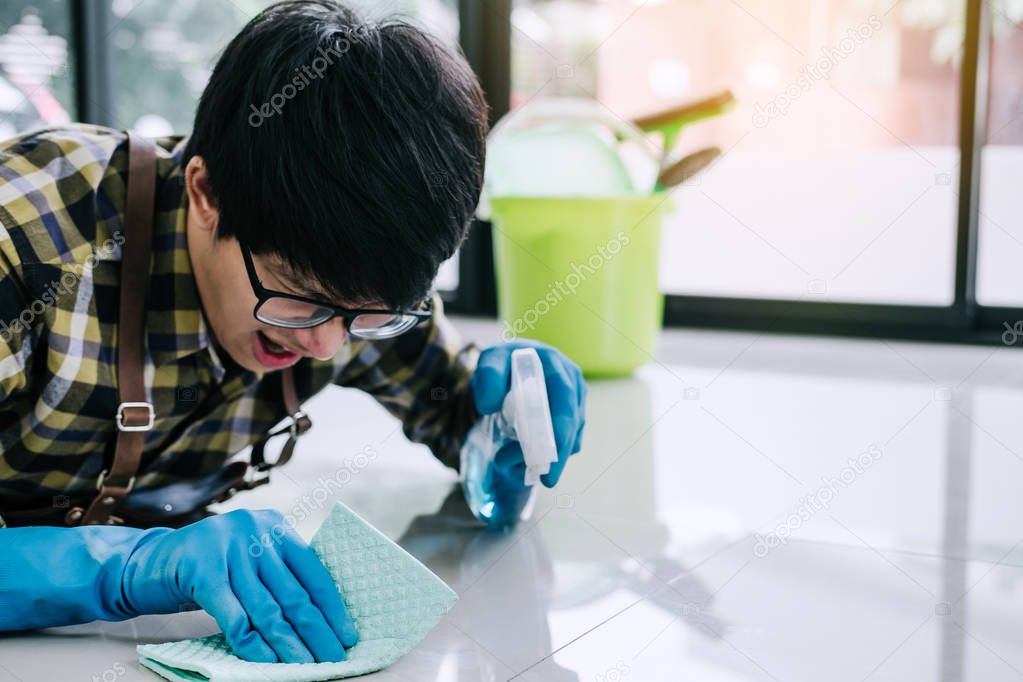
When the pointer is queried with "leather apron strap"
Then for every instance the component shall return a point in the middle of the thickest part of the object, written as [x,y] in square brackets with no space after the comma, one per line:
[297,424]
[135,414]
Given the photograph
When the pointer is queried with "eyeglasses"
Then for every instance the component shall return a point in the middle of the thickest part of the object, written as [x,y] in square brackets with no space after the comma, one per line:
[298,312]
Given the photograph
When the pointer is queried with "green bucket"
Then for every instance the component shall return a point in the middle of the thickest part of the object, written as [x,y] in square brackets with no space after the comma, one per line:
[581,274]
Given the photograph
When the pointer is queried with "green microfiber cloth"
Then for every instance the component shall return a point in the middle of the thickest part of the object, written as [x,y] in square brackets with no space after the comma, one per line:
[394,600]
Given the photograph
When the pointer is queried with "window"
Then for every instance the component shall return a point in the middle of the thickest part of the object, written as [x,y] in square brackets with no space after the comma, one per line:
[164,54]
[839,174]
[36,65]
[1000,248]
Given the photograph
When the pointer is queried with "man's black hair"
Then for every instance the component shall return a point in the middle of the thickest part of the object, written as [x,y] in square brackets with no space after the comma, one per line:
[351,150]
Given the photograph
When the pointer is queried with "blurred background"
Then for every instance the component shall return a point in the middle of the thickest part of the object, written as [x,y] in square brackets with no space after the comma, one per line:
[879,203]
[867,186]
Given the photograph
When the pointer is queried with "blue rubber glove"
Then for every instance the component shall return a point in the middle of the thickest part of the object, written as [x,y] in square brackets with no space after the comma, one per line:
[566,392]
[266,589]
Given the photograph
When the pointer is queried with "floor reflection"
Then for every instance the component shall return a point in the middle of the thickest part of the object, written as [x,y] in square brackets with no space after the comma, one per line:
[512,585]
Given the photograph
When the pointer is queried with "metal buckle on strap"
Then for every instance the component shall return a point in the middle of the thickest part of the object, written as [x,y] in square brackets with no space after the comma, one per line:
[150,416]
[296,419]
[103,475]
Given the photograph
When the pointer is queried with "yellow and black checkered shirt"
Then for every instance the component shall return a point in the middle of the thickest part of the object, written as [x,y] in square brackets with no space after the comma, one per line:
[62,196]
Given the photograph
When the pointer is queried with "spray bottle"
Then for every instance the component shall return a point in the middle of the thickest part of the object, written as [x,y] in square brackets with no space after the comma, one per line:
[497,496]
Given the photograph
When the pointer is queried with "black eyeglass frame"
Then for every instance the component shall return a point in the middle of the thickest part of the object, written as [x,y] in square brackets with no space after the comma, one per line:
[348,314]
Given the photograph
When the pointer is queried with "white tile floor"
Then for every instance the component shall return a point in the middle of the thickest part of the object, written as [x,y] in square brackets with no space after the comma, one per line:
[713,527]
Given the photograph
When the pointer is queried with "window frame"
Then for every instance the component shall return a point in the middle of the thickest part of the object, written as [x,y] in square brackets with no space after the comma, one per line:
[91,24]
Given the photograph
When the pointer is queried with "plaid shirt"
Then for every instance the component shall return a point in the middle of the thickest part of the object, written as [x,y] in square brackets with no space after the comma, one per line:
[62,195]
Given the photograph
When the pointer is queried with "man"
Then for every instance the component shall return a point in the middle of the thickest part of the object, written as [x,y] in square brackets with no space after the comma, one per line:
[290,250]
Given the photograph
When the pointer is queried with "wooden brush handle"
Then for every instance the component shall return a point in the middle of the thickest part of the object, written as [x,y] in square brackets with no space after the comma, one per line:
[696,108]
[687,167]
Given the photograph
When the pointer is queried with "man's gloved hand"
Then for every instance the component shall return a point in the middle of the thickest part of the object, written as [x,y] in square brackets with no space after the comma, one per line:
[266,589]
[566,392]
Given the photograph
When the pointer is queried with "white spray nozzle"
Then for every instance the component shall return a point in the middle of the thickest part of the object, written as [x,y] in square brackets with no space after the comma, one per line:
[531,413]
